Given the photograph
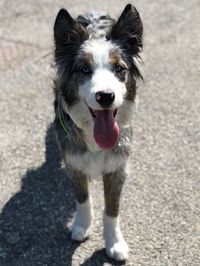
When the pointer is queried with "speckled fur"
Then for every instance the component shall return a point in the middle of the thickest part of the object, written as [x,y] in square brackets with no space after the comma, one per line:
[75,42]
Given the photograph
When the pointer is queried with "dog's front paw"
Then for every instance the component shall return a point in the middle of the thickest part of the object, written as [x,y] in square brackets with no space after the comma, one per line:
[118,250]
[82,226]
[116,247]
[79,233]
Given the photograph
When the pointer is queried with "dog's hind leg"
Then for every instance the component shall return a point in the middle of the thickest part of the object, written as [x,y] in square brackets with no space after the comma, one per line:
[116,246]
[83,220]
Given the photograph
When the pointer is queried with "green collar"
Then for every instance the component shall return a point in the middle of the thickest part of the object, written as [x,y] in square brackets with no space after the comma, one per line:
[65,128]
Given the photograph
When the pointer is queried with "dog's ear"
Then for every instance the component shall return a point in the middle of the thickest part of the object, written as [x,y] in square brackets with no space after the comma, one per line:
[66,29]
[128,30]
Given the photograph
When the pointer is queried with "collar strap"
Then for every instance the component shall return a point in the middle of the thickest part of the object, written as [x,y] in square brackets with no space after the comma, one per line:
[65,128]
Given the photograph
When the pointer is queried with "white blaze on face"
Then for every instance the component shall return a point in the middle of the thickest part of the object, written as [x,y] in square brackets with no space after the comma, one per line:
[102,78]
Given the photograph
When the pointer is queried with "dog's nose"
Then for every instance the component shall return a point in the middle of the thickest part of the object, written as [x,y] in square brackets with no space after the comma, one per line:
[105,99]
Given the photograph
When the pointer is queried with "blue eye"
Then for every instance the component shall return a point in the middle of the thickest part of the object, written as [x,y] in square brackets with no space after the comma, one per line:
[85,70]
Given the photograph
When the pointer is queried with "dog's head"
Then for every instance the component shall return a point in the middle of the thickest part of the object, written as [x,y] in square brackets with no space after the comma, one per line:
[97,77]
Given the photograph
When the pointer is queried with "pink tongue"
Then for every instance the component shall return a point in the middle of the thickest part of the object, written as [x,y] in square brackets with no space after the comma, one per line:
[106,130]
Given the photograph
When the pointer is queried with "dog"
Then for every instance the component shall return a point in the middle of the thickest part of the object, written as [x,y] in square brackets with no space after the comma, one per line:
[98,65]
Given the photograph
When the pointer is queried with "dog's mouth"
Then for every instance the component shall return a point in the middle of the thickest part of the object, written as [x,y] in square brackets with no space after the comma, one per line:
[106,129]
[94,112]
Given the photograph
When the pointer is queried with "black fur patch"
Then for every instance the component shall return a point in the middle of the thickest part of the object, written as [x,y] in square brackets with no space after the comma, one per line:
[68,36]
[127,33]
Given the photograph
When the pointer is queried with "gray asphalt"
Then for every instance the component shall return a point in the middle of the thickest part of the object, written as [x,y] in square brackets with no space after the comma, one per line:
[160,212]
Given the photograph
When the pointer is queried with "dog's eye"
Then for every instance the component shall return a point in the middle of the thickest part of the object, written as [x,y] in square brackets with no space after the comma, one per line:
[85,70]
[118,68]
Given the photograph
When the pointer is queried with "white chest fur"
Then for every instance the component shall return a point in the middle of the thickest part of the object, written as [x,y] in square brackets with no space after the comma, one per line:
[94,164]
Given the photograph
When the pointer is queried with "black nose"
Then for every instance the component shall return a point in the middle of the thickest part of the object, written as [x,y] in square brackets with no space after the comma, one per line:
[105,99]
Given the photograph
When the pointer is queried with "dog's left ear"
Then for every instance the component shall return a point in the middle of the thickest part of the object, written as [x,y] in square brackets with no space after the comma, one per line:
[128,30]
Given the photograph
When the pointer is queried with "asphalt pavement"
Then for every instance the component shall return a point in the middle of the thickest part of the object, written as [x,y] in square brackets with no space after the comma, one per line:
[160,212]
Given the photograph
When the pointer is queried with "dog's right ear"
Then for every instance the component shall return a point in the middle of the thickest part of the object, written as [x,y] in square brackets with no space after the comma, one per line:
[128,30]
[66,29]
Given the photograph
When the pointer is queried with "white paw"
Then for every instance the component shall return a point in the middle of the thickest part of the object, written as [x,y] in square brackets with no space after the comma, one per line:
[81,228]
[119,251]
[79,233]
[116,247]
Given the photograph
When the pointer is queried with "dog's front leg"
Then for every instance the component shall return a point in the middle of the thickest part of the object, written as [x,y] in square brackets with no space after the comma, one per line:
[116,246]
[83,220]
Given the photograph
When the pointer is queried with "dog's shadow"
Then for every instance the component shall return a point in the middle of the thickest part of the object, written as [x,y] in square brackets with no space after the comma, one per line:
[33,227]
[99,258]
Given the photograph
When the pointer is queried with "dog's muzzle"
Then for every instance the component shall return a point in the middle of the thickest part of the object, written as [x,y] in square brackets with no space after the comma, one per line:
[106,129]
